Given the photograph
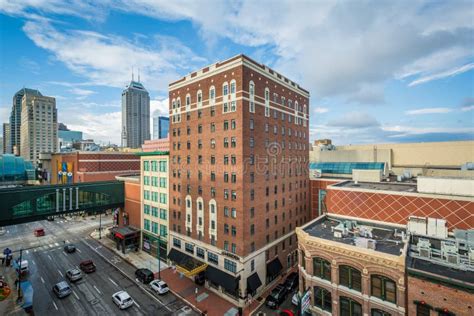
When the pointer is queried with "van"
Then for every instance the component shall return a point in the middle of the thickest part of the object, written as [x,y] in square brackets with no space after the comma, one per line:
[62,289]
[144,275]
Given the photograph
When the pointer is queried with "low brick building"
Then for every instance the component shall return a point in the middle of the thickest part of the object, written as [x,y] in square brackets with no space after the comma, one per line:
[365,278]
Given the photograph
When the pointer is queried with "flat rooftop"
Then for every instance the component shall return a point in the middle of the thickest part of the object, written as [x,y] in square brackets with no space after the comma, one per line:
[386,241]
[439,270]
[379,186]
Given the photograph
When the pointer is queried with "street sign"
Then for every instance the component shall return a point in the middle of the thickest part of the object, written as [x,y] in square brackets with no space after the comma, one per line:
[305,302]
[7,251]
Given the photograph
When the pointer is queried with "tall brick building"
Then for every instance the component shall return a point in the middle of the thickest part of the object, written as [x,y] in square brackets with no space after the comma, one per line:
[238,176]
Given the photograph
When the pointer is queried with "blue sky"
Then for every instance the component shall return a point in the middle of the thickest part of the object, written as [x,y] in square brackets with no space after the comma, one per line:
[377,71]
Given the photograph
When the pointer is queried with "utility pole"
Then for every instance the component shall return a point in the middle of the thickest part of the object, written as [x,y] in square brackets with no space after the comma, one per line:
[159,257]
[100,225]
[19,276]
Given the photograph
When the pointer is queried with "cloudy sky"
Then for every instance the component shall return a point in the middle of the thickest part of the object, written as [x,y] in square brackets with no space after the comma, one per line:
[378,71]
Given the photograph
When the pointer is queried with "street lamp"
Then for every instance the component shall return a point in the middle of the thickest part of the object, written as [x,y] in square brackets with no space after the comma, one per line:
[159,257]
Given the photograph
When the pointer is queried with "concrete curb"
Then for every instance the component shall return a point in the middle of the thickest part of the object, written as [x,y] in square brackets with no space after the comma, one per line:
[133,280]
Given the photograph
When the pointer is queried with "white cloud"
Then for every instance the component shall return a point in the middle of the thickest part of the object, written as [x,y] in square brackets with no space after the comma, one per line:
[108,60]
[81,93]
[428,111]
[444,74]
[354,120]
[467,108]
[100,127]
[159,107]
[320,110]
[401,130]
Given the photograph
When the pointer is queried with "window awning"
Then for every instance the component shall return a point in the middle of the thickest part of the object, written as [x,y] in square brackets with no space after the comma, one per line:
[229,282]
[274,267]
[253,283]
[185,263]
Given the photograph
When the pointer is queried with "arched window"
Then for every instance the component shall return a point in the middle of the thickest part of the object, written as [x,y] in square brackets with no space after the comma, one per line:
[225,89]
[233,87]
[188,101]
[378,312]
[321,268]
[383,288]
[322,298]
[199,98]
[349,307]
[251,97]
[350,277]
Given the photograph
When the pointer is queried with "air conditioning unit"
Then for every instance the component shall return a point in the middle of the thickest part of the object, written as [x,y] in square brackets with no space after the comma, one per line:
[471,256]
[452,258]
[424,248]
[317,173]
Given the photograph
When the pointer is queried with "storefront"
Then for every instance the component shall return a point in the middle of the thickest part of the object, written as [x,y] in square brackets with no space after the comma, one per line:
[126,238]
[150,245]
[274,268]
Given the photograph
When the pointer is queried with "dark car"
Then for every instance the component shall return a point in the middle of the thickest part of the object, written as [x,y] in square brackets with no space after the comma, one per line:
[87,266]
[291,281]
[276,297]
[70,248]
[144,275]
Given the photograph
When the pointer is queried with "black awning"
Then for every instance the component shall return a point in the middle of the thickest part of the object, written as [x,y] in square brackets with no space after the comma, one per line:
[176,256]
[253,283]
[229,282]
[274,267]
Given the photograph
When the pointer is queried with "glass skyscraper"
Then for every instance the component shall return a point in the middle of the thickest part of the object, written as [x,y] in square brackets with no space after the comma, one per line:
[161,126]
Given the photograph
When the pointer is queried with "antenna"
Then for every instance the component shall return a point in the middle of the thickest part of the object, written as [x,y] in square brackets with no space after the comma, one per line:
[138,74]
[132,74]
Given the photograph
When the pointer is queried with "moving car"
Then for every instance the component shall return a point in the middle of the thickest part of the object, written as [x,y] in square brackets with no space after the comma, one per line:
[144,275]
[122,299]
[159,286]
[62,289]
[39,232]
[276,297]
[70,248]
[87,266]
[74,274]
[291,281]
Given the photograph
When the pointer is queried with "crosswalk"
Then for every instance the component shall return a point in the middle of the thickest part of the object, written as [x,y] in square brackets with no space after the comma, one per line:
[53,246]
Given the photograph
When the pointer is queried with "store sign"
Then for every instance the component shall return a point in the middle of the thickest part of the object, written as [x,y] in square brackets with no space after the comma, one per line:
[229,254]
[146,245]
[305,302]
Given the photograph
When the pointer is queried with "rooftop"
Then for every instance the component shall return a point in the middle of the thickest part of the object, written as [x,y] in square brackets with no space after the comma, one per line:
[379,186]
[388,239]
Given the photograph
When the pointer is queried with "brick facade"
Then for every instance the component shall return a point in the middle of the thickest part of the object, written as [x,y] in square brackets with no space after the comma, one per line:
[132,207]
[315,186]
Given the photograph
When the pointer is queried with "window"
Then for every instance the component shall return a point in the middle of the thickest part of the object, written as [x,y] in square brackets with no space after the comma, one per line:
[383,288]
[233,177]
[226,177]
[154,211]
[146,224]
[213,127]
[350,277]
[233,249]
[199,98]
[267,102]
[251,142]
[212,258]
[146,209]
[226,229]
[154,227]
[321,268]
[234,195]
[162,165]
[322,298]
[163,213]
[226,211]
[233,142]
[422,310]
[146,165]
[251,97]
[230,265]
[251,124]
[226,142]
[234,231]
[162,182]
[177,242]
[213,143]
[226,194]
[200,252]
[188,102]
[233,124]
[189,247]
[233,159]
[349,307]
[378,312]
[212,95]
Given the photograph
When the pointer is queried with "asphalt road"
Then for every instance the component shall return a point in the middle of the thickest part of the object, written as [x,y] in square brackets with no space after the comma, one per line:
[285,306]
[93,294]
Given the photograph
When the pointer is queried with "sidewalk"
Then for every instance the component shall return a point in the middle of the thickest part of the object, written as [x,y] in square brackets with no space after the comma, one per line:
[9,305]
[138,259]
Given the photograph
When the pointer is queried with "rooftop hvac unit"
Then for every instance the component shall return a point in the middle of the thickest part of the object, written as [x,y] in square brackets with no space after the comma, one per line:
[471,256]
[437,228]
[365,243]
[448,246]
[452,258]
[424,248]
[417,225]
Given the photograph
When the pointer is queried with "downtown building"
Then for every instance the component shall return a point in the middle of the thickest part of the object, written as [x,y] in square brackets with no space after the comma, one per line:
[38,128]
[161,126]
[238,180]
[135,115]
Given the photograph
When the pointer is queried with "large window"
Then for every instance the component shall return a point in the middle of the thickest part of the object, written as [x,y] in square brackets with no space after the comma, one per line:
[322,298]
[321,268]
[422,310]
[378,312]
[383,288]
[212,258]
[349,307]
[350,277]
[230,265]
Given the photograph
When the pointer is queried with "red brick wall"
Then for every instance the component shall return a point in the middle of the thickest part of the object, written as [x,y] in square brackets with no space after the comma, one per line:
[438,296]
[397,208]
[315,186]
[132,204]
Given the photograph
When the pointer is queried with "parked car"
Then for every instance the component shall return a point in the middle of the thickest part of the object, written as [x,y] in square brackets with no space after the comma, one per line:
[62,289]
[122,299]
[74,274]
[87,266]
[70,248]
[291,281]
[276,297]
[159,286]
[295,299]
[144,275]
[200,278]
[39,232]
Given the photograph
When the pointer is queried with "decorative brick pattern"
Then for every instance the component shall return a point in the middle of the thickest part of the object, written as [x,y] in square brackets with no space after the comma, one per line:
[397,208]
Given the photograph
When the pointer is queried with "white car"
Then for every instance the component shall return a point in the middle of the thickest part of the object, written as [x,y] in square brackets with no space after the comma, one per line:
[159,286]
[122,299]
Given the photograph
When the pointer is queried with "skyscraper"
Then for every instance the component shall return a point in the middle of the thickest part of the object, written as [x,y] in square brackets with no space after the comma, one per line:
[7,147]
[238,177]
[15,119]
[135,115]
[39,126]
[161,126]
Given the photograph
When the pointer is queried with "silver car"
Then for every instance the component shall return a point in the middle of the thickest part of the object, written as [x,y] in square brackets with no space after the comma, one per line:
[62,289]
[74,274]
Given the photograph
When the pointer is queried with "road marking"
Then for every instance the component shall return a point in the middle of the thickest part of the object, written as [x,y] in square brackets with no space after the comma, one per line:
[51,245]
[56,244]
[50,257]
[78,249]
[55,306]
[113,282]
[60,273]
[65,255]
[67,241]
[27,251]
[42,280]
[136,304]
[33,262]
[75,295]
[95,287]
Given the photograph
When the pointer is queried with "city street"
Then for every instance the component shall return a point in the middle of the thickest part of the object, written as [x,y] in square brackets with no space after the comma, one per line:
[92,295]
